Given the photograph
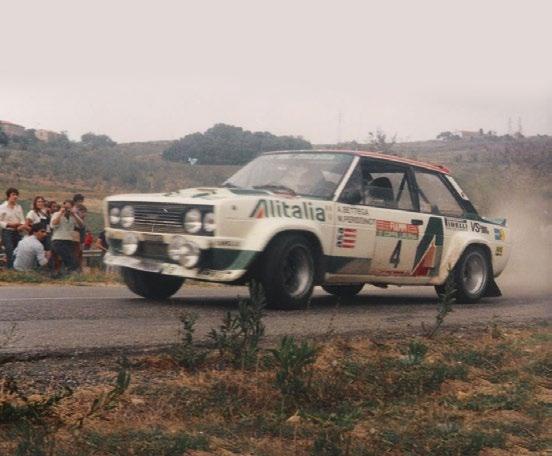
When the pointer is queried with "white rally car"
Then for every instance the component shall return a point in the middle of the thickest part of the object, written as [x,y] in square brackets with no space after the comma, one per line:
[295,219]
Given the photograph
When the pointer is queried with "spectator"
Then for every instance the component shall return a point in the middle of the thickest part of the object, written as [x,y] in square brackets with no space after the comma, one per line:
[30,253]
[39,214]
[88,240]
[78,237]
[64,222]
[101,243]
[12,223]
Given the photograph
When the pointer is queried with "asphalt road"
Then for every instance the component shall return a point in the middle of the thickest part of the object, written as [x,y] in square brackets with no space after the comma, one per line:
[63,318]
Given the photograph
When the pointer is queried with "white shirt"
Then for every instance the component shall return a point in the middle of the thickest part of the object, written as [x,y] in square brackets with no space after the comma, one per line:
[37,217]
[29,254]
[10,214]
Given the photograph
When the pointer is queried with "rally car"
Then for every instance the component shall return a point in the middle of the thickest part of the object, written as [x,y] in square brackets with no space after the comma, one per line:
[292,220]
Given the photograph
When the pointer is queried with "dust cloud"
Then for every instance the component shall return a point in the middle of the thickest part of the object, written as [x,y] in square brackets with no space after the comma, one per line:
[529,271]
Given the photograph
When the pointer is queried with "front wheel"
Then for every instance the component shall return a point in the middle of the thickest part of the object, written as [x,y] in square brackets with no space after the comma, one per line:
[471,276]
[287,274]
[343,291]
[151,285]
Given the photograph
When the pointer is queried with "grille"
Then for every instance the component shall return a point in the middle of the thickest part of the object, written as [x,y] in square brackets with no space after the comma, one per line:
[158,218]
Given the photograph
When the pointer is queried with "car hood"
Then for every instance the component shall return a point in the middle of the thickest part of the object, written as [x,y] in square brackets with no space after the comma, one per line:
[201,195]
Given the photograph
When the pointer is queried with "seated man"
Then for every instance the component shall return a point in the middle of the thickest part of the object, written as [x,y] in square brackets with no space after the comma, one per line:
[30,254]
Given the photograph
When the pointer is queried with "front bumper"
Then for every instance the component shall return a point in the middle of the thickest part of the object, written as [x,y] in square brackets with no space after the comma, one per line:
[221,259]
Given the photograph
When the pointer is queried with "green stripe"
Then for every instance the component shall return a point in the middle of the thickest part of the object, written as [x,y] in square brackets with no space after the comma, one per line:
[226,259]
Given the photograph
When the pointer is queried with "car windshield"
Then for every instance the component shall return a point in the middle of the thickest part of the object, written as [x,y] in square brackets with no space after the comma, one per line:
[306,174]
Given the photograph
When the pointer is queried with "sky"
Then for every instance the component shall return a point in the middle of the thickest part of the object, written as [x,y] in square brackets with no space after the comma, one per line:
[324,70]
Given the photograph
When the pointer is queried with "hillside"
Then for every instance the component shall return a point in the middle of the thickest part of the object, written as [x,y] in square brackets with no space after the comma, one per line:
[492,171]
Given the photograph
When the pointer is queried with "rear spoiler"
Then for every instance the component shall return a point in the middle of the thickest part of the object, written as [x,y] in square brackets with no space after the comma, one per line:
[495,221]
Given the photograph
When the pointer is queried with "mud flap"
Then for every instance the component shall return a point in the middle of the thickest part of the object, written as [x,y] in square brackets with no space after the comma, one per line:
[492,290]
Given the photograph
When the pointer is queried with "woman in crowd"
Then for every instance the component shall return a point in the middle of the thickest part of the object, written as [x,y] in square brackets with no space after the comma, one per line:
[39,214]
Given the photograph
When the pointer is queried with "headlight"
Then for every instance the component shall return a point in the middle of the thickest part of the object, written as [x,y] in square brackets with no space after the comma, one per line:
[127,216]
[209,222]
[185,252]
[114,216]
[192,221]
[130,244]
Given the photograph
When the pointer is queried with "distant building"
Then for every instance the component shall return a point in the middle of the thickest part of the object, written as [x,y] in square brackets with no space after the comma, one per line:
[11,129]
[46,135]
[469,134]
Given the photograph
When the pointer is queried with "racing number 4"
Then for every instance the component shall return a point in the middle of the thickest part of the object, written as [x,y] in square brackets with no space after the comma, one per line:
[396,255]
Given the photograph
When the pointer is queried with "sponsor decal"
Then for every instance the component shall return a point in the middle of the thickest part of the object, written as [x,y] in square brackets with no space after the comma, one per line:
[478,228]
[499,234]
[499,250]
[389,272]
[386,228]
[227,243]
[346,238]
[276,208]
[429,250]
[456,224]
[355,215]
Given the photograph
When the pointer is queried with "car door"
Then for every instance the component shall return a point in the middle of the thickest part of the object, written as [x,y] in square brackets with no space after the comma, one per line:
[352,248]
[389,194]
[438,202]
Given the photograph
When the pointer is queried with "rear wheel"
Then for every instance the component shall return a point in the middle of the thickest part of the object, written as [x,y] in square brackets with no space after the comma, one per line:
[343,291]
[150,285]
[287,274]
[471,275]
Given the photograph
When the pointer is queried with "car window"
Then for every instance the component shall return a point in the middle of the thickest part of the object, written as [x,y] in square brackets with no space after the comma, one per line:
[386,185]
[353,192]
[435,196]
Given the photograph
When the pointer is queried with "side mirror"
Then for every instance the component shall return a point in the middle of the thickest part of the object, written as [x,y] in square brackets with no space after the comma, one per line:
[351,197]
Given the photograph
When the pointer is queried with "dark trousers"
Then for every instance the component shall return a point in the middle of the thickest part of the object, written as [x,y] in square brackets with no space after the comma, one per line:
[10,239]
[66,251]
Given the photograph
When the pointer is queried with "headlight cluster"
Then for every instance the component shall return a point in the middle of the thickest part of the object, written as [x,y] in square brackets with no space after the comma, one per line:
[196,221]
[121,216]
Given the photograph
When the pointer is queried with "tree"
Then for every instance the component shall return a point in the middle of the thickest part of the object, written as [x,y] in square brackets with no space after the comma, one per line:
[229,145]
[378,141]
[96,141]
[448,136]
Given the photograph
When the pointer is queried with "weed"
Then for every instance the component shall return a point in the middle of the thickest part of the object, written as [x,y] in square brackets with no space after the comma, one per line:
[185,353]
[108,400]
[542,367]
[293,362]
[446,300]
[487,358]
[16,406]
[416,352]
[237,339]
[511,399]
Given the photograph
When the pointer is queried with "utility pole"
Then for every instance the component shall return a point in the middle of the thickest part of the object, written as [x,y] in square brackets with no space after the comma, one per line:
[339,119]
[520,128]
[510,131]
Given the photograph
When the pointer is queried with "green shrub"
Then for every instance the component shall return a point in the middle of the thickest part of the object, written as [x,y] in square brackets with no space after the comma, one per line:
[186,354]
[237,339]
[293,362]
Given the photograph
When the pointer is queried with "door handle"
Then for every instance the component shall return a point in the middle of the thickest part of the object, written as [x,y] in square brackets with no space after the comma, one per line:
[416,222]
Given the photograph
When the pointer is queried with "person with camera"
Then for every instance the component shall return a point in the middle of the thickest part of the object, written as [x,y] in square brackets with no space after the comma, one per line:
[12,223]
[64,222]
[30,254]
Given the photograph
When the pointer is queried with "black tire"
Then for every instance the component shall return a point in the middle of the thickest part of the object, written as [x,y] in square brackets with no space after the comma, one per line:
[287,272]
[150,285]
[343,291]
[471,275]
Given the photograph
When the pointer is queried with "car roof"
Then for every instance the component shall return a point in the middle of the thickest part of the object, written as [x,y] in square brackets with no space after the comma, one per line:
[377,155]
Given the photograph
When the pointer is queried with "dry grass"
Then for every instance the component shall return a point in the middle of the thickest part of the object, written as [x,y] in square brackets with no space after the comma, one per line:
[486,393]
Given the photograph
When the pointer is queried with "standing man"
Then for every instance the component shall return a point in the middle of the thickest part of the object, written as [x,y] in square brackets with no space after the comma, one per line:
[30,254]
[64,223]
[12,223]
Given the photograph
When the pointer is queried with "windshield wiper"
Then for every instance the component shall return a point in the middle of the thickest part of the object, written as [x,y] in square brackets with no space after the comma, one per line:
[275,187]
[229,185]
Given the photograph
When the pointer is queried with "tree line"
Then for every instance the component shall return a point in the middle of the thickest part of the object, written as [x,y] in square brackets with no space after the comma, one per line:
[229,145]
